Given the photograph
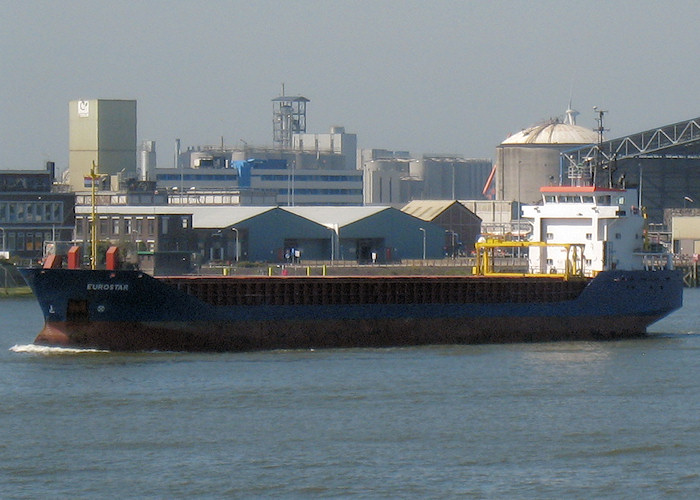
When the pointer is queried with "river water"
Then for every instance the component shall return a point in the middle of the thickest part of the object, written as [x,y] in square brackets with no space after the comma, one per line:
[573,420]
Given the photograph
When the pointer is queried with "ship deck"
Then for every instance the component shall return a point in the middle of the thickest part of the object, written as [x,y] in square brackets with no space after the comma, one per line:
[353,290]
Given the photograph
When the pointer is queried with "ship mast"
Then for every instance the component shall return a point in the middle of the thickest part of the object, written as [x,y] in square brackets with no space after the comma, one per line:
[93,225]
[598,163]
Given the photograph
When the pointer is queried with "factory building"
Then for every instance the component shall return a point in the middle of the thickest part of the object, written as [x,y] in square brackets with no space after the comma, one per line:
[136,228]
[268,177]
[492,212]
[336,143]
[264,234]
[462,227]
[685,233]
[376,234]
[304,168]
[449,177]
[101,132]
[196,179]
[383,175]
[301,169]
[293,186]
[670,182]
[396,178]
[32,214]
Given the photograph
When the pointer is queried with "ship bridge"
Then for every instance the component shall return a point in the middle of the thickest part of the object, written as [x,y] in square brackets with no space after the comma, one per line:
[663,163]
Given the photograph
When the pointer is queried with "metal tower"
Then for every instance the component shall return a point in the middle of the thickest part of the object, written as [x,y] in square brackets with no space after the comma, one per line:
[288,117]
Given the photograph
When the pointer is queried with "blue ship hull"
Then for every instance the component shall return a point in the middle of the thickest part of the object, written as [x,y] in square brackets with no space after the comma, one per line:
[132,311]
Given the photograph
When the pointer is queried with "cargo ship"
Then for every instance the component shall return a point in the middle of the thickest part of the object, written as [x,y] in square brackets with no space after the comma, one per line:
[589,275]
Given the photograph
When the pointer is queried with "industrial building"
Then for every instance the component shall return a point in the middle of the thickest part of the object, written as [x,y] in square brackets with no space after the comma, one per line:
[301,169]
[337,143]
[102,132]
[684,237]
[267,178]
[449,177]
[493,213]
[266,234]
[136,228]
[462,227]
[395,178]
[377,234]
[31,213]
[383,176]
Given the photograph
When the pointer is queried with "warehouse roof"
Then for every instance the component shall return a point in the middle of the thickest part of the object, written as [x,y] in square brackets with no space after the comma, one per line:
[427,209]
[330,216]
[208,216]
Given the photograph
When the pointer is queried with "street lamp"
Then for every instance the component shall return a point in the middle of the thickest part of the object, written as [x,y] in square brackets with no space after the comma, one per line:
[422,229]
[453,237]
[235,230]
[332,230]
[688,199]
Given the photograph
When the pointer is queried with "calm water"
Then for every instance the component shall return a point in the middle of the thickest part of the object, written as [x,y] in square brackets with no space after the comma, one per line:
[572,420]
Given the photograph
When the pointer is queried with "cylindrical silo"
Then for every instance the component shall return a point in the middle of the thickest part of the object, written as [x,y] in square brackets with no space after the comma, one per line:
[528,160]
[147,160]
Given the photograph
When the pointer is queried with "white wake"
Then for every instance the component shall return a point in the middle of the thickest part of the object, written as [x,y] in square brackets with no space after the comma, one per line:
[42,349]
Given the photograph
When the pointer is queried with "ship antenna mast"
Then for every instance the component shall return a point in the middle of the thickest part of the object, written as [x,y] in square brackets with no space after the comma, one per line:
[93,226]
[598,163]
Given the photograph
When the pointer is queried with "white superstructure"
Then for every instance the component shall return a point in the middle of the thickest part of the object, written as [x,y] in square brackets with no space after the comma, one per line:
[607,224]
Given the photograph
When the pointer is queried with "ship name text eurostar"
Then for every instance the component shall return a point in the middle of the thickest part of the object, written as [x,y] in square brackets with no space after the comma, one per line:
[118,287]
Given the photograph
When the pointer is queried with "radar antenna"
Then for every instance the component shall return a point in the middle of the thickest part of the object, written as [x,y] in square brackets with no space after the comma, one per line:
[598,156]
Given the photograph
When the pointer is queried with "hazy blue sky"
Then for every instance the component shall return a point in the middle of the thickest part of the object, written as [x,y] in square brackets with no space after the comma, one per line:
[428,77]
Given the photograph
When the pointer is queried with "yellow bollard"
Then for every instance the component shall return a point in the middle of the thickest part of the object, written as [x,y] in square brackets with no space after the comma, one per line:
[308,270]
[324,269]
